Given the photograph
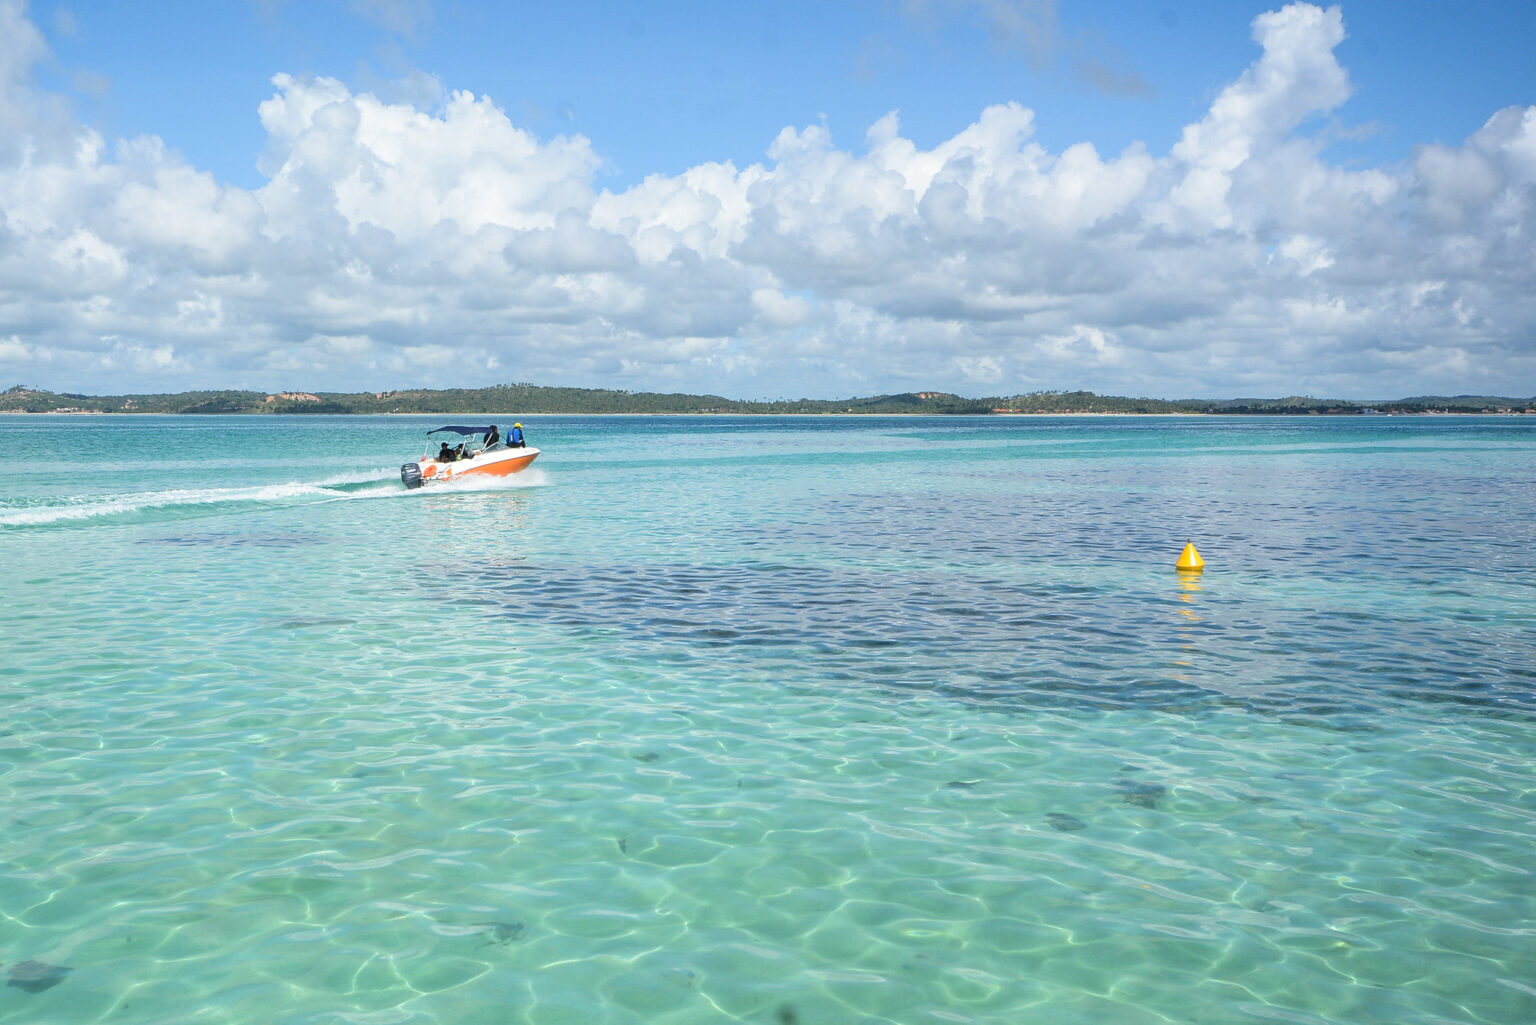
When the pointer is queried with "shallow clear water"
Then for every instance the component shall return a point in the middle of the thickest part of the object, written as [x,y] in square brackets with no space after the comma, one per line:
[814,720]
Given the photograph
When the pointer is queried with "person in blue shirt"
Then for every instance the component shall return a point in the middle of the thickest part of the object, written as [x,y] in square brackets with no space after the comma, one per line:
[515,437]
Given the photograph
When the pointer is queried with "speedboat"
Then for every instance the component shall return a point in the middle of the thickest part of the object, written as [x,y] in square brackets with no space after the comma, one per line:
[455,453]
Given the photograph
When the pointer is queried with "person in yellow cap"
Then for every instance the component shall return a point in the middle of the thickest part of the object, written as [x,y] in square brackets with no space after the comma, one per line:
[515,437]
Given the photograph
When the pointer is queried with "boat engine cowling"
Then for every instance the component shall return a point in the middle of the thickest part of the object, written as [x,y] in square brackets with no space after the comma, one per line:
[410,475]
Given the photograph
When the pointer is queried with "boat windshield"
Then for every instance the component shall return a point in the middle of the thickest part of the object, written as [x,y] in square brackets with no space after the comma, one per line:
[472,438]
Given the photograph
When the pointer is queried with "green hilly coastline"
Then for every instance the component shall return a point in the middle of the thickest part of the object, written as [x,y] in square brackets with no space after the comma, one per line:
[529,399]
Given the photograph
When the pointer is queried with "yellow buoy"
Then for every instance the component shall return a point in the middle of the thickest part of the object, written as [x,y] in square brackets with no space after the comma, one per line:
[1189,559]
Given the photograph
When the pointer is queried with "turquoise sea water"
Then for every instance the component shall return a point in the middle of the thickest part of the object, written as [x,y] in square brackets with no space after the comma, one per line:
[794,721]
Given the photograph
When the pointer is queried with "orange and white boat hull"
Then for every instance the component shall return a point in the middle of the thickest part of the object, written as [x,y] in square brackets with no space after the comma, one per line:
[501,463]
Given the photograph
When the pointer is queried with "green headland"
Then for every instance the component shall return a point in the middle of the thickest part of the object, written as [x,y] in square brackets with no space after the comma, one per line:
[529,399]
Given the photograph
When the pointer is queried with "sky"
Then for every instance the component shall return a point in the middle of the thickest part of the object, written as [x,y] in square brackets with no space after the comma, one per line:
[1211,198]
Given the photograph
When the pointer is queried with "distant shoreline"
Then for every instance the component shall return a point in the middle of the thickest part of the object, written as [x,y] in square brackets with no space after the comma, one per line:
[514,400]
[852,416]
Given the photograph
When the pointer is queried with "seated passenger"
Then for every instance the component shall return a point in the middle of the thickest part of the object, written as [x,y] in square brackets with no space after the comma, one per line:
[444,455]
[459,453]
[515,437]
[492,439]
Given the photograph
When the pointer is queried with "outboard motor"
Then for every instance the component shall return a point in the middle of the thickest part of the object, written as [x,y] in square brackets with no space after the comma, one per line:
[410,475]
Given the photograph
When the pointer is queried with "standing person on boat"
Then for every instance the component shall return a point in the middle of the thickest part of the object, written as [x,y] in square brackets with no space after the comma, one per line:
[492,439]
[515,437]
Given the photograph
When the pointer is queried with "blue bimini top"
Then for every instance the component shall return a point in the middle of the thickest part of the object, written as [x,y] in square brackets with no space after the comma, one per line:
[460,430]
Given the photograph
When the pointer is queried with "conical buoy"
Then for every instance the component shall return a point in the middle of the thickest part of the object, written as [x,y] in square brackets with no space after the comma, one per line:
[1189,559]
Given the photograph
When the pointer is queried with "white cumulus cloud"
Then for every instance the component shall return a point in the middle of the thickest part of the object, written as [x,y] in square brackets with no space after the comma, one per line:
[396,244]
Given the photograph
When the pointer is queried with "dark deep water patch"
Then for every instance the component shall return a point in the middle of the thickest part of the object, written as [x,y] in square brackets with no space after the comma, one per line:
[965,635]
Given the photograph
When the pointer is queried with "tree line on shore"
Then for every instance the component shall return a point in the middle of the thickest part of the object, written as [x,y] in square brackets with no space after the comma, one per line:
[529,399]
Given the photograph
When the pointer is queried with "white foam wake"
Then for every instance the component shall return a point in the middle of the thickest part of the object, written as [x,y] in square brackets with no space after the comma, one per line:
[378,484]
[85,508]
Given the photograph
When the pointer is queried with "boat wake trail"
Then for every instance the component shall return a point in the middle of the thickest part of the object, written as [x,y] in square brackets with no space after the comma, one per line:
[184,503]
[179,503]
